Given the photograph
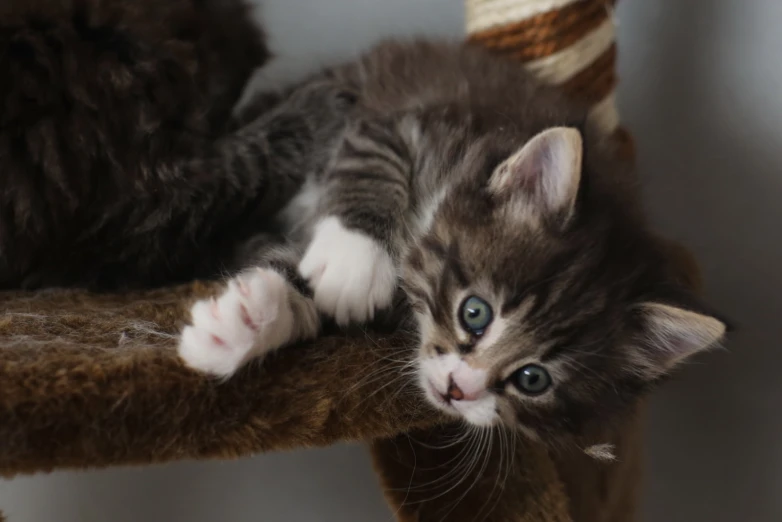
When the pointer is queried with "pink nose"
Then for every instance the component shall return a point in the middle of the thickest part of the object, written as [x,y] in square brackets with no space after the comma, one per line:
[455,393]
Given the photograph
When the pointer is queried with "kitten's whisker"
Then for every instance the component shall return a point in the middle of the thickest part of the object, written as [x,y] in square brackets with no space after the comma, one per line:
[405,382]
[467,451]
[368,380]
[379,370]
[487,440]
[502,448]
[510,460]
[411,391]
[472,463]
[452,441]
[412,476]
[402,367]
[506,460]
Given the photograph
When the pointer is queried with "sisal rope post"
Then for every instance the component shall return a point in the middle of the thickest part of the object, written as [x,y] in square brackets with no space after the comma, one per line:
[570,43]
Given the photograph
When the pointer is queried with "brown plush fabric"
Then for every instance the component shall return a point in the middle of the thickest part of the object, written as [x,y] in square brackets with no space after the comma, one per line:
[92,381]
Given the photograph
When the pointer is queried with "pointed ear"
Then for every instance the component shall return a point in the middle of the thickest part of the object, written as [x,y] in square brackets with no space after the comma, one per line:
[670,335]
[546,171]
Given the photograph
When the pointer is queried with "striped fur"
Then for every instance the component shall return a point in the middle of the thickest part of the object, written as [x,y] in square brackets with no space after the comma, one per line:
[444,175]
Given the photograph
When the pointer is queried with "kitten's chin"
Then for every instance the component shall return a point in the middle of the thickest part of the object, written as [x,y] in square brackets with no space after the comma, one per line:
[479,413]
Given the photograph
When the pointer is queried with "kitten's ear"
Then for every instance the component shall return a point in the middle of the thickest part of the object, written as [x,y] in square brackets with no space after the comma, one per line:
[670,335]
[546,171]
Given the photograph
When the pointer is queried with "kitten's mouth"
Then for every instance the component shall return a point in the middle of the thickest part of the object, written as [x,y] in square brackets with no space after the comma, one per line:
[441,399]
[474,412]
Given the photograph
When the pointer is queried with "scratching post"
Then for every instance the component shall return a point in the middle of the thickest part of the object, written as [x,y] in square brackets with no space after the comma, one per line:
[570,43]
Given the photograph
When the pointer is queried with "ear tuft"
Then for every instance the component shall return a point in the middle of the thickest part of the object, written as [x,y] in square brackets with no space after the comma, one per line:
[546,171]
[671,335]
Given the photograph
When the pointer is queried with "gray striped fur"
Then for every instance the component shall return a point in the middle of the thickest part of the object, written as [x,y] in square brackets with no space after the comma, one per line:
[574,288]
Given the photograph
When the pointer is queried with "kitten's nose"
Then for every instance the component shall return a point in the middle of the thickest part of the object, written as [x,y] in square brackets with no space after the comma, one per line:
[468,388]
[454,392]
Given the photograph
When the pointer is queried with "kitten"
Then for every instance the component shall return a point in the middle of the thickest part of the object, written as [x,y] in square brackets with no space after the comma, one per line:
[541,297]
[116,167]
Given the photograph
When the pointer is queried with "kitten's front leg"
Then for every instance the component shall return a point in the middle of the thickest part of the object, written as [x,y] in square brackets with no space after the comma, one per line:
[350,262]
[351,273]
[258,312]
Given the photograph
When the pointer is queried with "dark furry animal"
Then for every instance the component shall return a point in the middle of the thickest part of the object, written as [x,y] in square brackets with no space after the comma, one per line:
[115,168]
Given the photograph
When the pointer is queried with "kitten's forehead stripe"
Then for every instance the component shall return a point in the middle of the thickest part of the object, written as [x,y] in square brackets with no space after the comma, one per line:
[512,304]
[422,296]
[543,287]
[455,267]
[415,260]
[567,340]
[444,307]
[432,244]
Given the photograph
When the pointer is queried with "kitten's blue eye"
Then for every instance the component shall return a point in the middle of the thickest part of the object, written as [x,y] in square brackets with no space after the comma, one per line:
[532,379]
[476,315]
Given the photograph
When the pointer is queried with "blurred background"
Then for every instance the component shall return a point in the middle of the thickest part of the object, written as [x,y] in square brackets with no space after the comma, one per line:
[701,90]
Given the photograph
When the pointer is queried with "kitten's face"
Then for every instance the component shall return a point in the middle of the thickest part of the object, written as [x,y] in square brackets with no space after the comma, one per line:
[533,316]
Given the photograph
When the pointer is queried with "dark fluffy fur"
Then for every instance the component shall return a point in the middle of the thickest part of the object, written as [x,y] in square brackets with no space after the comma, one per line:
[116,169]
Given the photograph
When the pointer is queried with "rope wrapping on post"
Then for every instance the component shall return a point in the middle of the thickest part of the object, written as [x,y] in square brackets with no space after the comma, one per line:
[571,43]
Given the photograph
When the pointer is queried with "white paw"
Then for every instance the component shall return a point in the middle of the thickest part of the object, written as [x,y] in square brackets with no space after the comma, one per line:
[252,317]
[351,274]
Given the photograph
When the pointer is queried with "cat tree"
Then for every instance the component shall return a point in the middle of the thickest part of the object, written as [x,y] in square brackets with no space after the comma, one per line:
[88,381]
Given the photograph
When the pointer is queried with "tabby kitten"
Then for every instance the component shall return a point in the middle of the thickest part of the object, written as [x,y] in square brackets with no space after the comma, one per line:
[541,297]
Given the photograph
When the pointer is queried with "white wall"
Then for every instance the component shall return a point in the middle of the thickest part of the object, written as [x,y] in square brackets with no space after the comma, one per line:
[700,90]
